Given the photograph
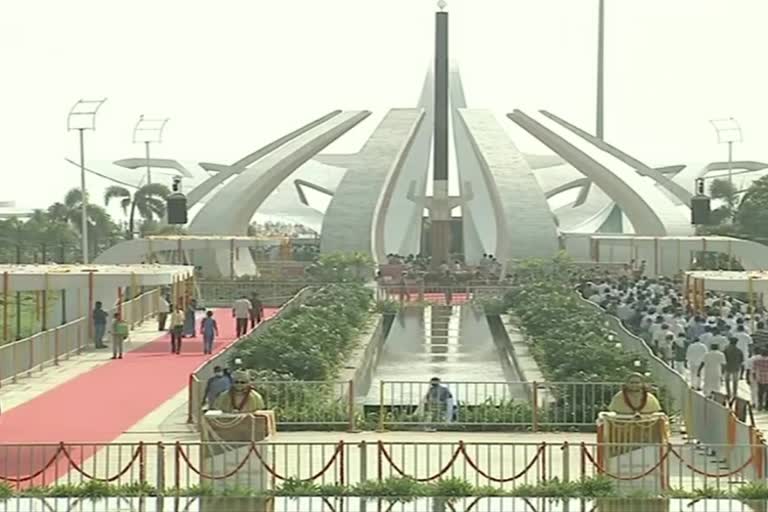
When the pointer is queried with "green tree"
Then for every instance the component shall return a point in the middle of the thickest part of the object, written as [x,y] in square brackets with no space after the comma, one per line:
[724,190]
[752,214]
[148,201]
[101,230]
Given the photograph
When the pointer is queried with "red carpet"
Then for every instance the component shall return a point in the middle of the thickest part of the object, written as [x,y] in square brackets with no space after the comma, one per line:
[98,406]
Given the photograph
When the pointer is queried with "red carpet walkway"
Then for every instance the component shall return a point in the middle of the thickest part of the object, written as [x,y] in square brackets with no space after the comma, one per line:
[99,405]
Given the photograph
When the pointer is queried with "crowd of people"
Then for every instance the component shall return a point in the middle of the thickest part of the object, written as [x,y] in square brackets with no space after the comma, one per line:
[418,267]
[723,343]
[180,321]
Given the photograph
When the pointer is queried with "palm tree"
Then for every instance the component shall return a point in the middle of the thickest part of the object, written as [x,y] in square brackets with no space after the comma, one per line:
[148,201]
[100,225]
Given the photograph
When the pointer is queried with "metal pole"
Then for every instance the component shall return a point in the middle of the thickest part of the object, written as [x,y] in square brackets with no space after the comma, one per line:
[600,69]
[149,169]
[84,200]
[730,172]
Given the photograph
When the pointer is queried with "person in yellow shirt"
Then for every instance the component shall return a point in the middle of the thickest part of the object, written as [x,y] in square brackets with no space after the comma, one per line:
[634,398]
[241,397]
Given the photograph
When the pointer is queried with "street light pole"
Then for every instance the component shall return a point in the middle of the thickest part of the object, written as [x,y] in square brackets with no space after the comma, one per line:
[149,169]
[82,117]
[148,131]
[728,131]
[83,198]
[730,163]
[600,70]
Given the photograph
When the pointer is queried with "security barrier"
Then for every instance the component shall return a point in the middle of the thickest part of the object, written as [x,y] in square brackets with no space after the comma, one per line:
[49,347]
[526,405]
[501,465]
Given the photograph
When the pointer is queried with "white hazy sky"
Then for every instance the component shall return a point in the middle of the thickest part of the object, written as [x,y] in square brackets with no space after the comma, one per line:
[233,75]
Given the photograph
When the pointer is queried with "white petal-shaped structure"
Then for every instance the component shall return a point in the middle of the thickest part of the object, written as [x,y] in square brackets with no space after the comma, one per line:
[650,210]
[230,212]
[354,221]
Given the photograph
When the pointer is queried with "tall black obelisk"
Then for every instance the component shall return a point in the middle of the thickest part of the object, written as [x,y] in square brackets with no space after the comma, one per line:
[440,211]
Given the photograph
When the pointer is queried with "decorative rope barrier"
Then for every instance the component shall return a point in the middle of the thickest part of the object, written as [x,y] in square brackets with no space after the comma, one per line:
[252,450]
[77,468]
[704,473]
[605,472]
[482,473]
[461,450]
[670,450]
[62,450]
[22,479]
[399,471]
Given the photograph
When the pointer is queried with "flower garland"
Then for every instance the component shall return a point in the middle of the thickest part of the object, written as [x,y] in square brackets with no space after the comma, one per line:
[239,407]
[628,401]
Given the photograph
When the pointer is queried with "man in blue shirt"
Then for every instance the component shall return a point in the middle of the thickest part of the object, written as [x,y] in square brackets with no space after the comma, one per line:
[99,325]
[215,386]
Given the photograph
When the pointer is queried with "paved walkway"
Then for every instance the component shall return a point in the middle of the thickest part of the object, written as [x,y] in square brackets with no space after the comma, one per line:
[42,381]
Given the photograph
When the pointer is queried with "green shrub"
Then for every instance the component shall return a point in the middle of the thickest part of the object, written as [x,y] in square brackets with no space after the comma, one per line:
[312,341]
[450,487]
[6,491]
[753,491]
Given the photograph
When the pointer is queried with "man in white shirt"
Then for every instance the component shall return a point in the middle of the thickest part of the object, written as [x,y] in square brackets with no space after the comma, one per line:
[712,367]
[241,312]
[751,380]
[743,341]
[695,356]
[717,337]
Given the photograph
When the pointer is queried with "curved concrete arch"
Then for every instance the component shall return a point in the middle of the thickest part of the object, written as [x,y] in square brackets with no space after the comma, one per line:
[304,183]
[102,175]
[679,192]
[224,172]
[688,176]
[239,199]
[525,224]
[354,220]
[624,190]
[580,183]
[161,163]
[670,169]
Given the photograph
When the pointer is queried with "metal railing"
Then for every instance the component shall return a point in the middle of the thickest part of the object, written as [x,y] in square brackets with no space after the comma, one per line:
[531,405]
[224,293]
[631,468]
[48,348]
[199,378]
[418,291]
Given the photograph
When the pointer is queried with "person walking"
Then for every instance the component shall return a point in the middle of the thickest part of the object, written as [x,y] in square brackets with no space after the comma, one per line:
[257,310]
[750,376]
[712,365]
[734,360]
[241,312]
[177,329]
[119,335]
[760,371]
[189,319]
[210,330]
[99,325]
[162,314]
[695,356]
[744,342]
